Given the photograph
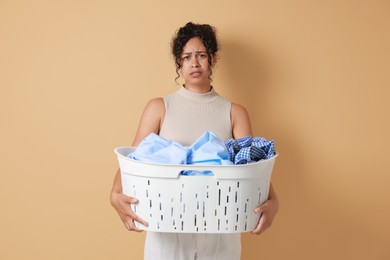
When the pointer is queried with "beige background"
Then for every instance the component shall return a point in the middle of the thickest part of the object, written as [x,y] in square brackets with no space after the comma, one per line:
[75,76]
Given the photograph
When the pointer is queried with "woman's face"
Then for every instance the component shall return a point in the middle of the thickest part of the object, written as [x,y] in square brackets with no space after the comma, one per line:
[194,63]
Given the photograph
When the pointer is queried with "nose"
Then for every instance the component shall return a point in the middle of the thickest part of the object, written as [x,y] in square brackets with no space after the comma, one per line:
[194,62]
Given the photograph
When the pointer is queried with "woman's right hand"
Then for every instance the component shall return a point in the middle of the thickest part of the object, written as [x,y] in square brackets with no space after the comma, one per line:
[122,203]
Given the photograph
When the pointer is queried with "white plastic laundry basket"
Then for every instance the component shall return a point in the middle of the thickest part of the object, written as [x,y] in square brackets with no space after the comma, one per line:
[170,202]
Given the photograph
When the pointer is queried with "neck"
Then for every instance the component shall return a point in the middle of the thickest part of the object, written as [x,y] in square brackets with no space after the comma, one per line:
[200,89]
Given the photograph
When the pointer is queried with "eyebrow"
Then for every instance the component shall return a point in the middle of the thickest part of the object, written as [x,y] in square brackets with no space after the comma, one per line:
[197,52]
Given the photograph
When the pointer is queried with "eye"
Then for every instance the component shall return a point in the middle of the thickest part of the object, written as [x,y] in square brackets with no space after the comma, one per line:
[202,55]
[186,57]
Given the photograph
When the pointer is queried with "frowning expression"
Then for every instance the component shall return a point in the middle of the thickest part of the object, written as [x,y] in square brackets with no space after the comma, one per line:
[194,63]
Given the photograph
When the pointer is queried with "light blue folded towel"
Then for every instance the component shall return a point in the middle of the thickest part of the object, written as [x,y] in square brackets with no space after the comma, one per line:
[208,149]
[156,149]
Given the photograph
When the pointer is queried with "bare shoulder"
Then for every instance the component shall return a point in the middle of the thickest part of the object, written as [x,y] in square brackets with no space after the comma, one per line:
[151,119]
[156,104]
[241,124]
[238,110]
[154,110]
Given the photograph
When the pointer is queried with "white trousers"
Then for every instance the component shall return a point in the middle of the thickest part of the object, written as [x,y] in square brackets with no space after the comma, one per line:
[184,246]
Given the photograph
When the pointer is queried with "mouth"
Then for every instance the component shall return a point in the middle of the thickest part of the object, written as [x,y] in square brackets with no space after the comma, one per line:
[196,74]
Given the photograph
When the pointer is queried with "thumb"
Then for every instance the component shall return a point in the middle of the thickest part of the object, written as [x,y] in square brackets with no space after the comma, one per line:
[133,200]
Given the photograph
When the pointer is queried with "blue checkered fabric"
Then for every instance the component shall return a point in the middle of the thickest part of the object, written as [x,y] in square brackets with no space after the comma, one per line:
[248,149]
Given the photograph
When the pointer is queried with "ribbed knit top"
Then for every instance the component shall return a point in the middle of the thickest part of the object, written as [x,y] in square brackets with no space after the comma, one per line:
[188,115]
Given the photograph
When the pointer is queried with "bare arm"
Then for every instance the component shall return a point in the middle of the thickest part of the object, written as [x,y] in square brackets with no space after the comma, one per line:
[242,127]
[150,122]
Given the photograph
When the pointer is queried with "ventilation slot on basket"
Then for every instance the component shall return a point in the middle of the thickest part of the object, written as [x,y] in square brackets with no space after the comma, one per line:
[259,198]
[135,196]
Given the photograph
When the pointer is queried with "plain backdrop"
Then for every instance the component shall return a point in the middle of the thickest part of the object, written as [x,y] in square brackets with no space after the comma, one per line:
[76,75]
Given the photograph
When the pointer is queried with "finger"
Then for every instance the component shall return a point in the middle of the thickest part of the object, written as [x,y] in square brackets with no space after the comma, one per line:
[133,227]
[130,200]
[261,208]
[139,220]
[133,200]
[126,205]
[130,213]
[265,222]
[260,226]
[127,226]
[133,215]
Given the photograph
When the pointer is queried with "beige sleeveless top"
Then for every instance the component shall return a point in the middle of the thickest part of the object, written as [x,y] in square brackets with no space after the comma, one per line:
[188,115]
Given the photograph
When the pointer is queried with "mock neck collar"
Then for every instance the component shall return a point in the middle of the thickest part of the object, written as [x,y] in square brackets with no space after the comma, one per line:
[198,97]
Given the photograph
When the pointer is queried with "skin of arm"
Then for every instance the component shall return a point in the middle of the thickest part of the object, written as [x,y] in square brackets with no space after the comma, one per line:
[150,122]
[241,127]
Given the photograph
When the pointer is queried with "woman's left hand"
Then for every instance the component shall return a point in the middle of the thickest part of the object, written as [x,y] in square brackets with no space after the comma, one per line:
[268,212]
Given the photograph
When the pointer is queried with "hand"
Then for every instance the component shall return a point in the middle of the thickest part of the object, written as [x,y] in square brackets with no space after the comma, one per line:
[121,203]
[268,212]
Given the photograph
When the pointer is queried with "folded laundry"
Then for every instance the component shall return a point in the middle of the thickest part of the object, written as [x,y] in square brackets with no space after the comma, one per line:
[156,149]
[248,149]
[208,149]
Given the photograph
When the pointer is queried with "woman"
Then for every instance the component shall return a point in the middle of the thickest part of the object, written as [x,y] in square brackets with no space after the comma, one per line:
[183,116]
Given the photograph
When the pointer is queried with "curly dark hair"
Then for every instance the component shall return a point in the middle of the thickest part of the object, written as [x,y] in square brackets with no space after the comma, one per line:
[205,32]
